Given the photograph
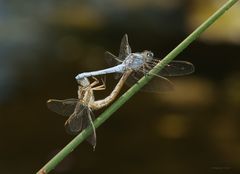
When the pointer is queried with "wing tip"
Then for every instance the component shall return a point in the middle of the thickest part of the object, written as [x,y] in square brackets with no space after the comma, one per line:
[49,101]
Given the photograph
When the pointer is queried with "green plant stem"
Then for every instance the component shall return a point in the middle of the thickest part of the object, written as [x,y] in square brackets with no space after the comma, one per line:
[126,96]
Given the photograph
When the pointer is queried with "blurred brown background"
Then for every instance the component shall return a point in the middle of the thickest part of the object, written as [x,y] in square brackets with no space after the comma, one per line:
[44,44]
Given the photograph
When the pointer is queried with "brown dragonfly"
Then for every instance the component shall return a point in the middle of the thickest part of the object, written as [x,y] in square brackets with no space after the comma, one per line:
[80,110]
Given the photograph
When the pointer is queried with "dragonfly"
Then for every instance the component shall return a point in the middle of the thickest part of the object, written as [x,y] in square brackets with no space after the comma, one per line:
[80,110]
[140,63]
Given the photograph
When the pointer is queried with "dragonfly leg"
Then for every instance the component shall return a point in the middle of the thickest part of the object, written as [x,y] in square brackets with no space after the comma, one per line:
[145,70]
[147,66]
[96,81]
[104,82]
[93,86]
[100,87]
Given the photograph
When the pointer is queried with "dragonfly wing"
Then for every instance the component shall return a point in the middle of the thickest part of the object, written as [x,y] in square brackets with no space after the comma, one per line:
[62,107]
[177,68]
[111,59]
[125,48]
[157,84]
[124,51]
[75,122]
[79,120]
[88,121]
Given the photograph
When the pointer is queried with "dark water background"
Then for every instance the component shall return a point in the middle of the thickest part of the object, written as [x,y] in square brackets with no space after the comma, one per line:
[44,44]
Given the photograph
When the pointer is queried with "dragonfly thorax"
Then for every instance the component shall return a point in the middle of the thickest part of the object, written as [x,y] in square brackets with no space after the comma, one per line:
[85,95]
[134,61]
[85,92]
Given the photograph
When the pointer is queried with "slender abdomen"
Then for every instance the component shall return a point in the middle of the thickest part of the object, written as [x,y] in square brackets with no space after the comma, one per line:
[116,69]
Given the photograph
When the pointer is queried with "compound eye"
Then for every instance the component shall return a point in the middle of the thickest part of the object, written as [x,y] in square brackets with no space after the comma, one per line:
[150,54]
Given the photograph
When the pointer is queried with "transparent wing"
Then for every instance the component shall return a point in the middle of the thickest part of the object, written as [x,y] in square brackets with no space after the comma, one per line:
[62,107]
[111,59]
[125,48]
[177,68]
[88,121]
[79,120]
[124,51]
[157,84]
[76,121]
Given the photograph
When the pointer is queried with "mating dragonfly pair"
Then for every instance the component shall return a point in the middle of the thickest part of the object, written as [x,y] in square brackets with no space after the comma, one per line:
[131,67]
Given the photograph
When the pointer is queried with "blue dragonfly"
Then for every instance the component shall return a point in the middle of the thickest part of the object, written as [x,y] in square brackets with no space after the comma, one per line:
[140,63]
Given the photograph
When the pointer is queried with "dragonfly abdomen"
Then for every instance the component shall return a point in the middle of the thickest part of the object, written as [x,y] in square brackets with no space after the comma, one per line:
[116,69]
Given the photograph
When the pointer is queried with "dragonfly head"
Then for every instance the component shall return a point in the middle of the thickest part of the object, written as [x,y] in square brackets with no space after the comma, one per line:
[148,55]
[84,82]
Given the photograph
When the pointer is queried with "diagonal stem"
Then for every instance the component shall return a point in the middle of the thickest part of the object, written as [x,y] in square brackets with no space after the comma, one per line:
[126,96]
